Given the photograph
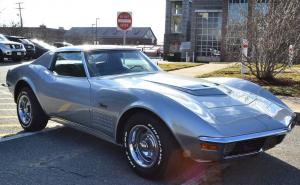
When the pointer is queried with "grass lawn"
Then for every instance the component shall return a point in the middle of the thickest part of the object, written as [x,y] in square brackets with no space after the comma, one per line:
[286,84]
[176,66]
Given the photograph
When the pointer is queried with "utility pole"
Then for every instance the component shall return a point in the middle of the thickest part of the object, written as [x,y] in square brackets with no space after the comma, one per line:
[20,12]
[97,31]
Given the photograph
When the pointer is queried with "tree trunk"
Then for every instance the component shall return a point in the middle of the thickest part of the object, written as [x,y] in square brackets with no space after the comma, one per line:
[224,30]
[250,29]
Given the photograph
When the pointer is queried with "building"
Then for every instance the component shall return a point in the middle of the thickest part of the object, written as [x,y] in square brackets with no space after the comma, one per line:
[110,36]
[85,35]
[204,30]
[49,35]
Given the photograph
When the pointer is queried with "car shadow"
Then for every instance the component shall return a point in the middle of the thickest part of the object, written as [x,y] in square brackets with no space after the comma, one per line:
[11,63]
[67,156]
[263,169]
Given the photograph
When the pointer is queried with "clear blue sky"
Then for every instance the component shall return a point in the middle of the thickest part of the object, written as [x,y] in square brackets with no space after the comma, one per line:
[69,13]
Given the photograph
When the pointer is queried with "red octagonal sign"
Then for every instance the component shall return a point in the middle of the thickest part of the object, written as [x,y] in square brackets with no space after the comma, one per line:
[124,20]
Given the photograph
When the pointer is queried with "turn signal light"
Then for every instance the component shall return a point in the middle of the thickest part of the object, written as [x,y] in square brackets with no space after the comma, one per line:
[209,147]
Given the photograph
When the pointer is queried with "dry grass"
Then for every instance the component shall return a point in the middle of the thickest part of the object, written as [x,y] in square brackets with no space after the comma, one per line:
[285,84]
[176,66]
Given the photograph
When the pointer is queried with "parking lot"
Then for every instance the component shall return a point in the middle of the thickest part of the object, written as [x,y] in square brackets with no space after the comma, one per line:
[61,155]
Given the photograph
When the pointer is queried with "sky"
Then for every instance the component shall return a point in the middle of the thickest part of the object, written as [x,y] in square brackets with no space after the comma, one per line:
[83,13]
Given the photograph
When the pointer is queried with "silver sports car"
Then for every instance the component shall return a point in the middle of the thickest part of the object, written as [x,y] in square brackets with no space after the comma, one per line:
[120,95]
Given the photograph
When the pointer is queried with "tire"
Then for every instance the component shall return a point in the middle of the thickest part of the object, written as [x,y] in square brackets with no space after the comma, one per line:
[168,155]
[17,59]
[30,114]
[1,56]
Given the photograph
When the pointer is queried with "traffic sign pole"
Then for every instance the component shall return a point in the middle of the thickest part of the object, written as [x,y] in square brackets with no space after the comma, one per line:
[124,37]
[124,23]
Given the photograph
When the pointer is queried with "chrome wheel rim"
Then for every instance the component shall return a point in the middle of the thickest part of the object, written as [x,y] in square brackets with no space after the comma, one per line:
[143,146]
[24,110]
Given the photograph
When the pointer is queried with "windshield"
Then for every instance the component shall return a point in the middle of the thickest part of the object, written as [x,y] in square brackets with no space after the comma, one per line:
[101,63]
[43,44]
[26,41]
[2,38]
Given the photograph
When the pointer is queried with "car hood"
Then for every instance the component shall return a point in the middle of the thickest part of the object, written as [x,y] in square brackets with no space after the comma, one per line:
[230,111]
[210,95]
[10,42]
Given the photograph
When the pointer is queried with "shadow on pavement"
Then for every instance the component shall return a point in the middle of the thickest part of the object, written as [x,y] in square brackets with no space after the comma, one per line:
[260,170]
[10,63]
[66,156]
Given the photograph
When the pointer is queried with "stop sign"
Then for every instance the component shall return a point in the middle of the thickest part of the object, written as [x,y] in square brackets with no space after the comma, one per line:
[124,20]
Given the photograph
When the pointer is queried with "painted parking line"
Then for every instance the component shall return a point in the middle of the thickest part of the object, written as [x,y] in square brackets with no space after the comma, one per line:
[8,117]
[6,98]
[9,125]
[6,93]
[8,137]
[7,103]
[3,135]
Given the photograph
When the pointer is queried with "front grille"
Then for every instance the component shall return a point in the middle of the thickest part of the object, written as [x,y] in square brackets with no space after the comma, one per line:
[17,46]
[249,146]
[252,146]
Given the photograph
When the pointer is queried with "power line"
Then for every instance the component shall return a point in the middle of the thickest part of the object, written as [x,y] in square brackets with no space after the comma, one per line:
[20,12]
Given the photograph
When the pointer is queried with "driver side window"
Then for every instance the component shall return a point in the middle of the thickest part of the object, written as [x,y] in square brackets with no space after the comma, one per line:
[69,64]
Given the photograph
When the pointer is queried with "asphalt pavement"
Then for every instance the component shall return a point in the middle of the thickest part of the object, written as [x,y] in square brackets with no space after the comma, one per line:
[64,156]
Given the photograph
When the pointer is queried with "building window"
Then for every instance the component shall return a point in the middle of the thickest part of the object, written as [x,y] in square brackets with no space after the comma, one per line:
[176,21]
[176,24]
[208,33]
[177,8]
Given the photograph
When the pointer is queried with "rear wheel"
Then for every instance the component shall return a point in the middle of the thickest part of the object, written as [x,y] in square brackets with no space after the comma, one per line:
[30,114]
[150,148]
[1,56]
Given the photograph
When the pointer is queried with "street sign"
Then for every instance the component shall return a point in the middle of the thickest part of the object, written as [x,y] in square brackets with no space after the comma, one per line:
[124,21]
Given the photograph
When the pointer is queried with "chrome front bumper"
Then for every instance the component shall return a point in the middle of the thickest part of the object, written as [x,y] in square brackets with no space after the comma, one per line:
[245,137]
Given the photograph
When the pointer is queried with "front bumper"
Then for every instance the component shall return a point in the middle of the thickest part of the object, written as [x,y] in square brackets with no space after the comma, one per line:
[30,52]
[14,54]
[237,146]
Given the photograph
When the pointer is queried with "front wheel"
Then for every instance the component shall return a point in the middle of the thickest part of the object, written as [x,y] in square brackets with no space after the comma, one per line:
[30,114]
[150,148]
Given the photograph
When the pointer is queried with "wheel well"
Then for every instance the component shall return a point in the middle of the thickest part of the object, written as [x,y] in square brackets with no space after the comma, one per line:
[21,84]
[126,116]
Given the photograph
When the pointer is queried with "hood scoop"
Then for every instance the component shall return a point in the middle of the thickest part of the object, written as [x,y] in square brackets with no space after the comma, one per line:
[196,90]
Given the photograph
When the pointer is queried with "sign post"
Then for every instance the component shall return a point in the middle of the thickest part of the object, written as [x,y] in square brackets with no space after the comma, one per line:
[291,55]
[245,46]
[124,23]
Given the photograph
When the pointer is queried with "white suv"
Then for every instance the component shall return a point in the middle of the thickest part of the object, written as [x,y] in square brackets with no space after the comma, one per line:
[11,50]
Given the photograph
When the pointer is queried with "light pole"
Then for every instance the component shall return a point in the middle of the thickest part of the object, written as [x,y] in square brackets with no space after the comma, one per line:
[93,34]
[97,30]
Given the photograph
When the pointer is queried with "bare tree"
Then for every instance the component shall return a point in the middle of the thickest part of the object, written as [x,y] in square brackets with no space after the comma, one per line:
[272,26]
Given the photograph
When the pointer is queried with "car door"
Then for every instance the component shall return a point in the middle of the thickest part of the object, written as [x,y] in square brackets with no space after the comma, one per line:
[68,94]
